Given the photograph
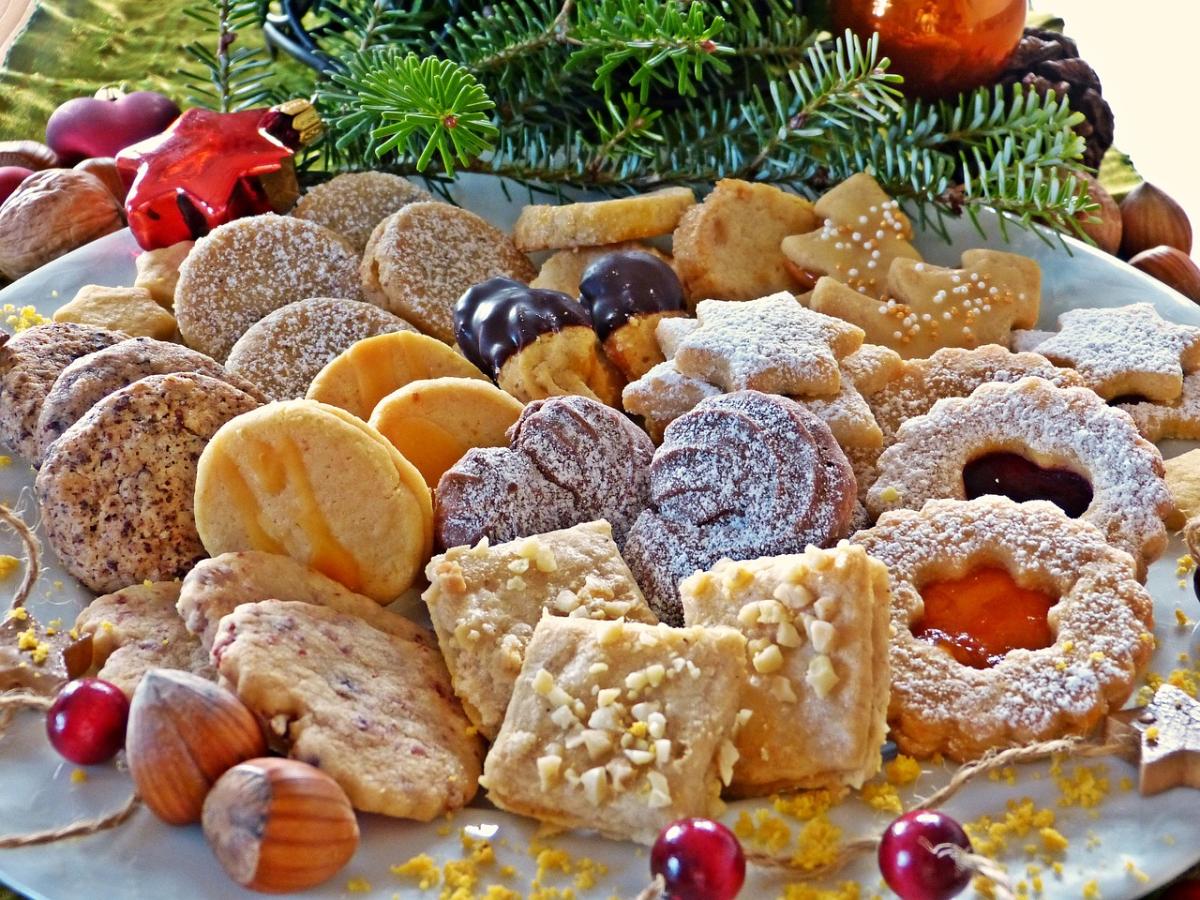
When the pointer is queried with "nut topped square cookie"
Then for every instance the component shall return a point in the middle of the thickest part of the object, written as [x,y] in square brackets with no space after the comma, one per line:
[619,726]
[485,602]
[816,625]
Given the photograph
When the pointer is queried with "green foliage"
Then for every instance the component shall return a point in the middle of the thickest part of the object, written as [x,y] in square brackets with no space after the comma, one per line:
[234,77]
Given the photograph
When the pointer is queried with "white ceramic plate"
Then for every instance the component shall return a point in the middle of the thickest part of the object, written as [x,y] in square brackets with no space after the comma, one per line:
[144,858]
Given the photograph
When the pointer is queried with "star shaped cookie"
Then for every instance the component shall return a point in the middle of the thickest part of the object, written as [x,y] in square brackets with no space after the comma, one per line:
[1175,420]
[928,307]
[862,231]
[1164,738]
[1125,351]
[772,344]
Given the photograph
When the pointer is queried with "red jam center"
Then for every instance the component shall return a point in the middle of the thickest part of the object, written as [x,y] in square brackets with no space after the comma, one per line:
[1015,477]
[979,618]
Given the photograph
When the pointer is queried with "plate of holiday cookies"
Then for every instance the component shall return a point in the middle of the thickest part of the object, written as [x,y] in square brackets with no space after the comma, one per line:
[677,545]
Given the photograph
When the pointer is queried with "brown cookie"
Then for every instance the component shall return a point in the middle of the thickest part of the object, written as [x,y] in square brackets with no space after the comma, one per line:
[353,203]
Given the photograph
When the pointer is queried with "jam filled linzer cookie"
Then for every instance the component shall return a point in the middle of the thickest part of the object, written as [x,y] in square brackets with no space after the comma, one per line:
[569,460]
[315,483]
[115,491]
[628,294]
[741,476]
[561,756]
[30,363]
[373,710]
[862,231]
[420,260]
[1011,624]
[434,423]
[816,627]
[1032,440]
[137,629]
[485,602]
[353,203]
[535,343]
[249,267]
[282,352]
[374,367]
[602,221]
[91,378]
[564,270]
[727,248]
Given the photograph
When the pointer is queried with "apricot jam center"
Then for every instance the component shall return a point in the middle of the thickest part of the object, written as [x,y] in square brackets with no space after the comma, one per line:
[1015,477]
[982,616]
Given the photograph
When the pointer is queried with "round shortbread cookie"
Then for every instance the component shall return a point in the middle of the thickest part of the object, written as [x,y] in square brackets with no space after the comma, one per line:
[420,260]
[433,423]
[249,267]
[282,352]
[373,368]
[115,491]
[91,378]
[353,203]
[30,363]
[312,482]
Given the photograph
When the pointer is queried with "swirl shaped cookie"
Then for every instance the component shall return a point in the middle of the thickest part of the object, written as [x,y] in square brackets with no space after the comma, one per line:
[742,475]
[1099,626]
[1088,456]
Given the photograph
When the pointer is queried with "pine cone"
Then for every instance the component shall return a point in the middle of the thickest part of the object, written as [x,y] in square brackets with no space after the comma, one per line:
[1045,60]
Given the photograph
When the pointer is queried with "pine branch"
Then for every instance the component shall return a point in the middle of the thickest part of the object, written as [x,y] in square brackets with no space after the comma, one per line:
[235,77]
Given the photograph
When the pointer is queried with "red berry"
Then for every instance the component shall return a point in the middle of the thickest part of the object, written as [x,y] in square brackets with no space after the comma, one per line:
[86,723]
[909,864]
[1183,890]
[10,179]
[699,859]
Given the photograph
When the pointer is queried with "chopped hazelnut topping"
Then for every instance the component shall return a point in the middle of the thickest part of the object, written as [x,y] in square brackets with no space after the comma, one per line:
[821,676]
[549,769]
[768,660]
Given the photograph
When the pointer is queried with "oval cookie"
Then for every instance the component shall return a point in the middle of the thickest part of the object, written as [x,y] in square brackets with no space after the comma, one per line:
[433,423]
[281,352]
[353,203]
[115,491]
[590,224]
[312,482]
[249,267]
[374,367]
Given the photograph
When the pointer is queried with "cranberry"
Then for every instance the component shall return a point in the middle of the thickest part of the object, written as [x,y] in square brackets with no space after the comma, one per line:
[1015,477]
[909,864]
[10,179]
[699,859]
[86,723]
[1188,889]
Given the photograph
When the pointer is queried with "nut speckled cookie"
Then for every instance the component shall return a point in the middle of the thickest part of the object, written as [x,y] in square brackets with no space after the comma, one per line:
[29,364]
[312,482]
[373,710]
[89,379]
[282,352]
[353,203]
[115,491]
[137,629]
[249,267]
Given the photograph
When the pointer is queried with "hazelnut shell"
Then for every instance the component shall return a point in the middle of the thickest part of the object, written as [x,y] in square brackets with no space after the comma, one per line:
[28,155]
[1150,218]
[1172,267]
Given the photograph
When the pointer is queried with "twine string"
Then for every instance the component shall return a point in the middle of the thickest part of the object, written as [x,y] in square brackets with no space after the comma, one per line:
[33,555]
[75,829]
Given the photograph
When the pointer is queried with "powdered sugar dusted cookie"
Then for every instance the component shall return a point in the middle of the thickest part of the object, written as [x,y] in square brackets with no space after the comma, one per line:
[1177,419]
[664,394]
[250,267]
[485,602]
[372,710]
[137,629]
[590,224]
[353,203]
[116,490]
[282,352]
[1126,351]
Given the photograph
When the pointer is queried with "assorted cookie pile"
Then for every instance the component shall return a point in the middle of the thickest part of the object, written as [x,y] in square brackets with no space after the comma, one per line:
[713,522]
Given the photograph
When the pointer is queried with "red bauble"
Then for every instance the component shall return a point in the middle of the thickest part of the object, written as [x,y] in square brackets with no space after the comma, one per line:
[699,859]
[87,126]
[941,47]
[86,723]
[200,173]
[1188,889]
[909,864]
[10,179]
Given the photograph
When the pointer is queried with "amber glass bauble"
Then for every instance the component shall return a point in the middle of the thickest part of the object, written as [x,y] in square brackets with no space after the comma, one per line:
[941,47]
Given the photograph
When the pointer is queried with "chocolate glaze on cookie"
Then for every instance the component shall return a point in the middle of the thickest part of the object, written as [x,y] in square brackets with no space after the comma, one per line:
[628,283]
[496,318]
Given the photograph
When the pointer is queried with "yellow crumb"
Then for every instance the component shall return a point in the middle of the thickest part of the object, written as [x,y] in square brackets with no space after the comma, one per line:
[40,652]
[1087,787]
[5,461]
[889,495]
[1021,819]
[808,804]
[1138,875]
[1181,618]
[1091,890]
[27,639]
[1053,840]
[22,318]
[78,776]
[1152,734]
[500,892]
[8,565]
[422,868]
[763,830]
[20,613]
[1184,564]
[883,797]
[107,626]
[1126,783]
[818,845]
[902,770]
[847,890]
[358,886]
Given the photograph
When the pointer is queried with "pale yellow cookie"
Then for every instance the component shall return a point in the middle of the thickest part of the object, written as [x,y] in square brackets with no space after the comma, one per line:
[562,755]
[315,483]
[374,367]
[1177,419]
[434,422]
[485,602]
[816,626]
[591,224]
[353,203]
[1183,481]
[130,310]
[564,270]
[562,363]
[727,248]
[158,271]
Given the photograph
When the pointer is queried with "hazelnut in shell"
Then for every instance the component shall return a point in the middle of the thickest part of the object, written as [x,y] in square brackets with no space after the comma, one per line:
[184,733]
[1102,225]
[27,155]
[1172,267]
[105,168]
[279,825]
[1150,218]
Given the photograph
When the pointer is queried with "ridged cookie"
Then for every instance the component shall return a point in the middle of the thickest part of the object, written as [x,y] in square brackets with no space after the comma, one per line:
[353,203]
[116,490]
